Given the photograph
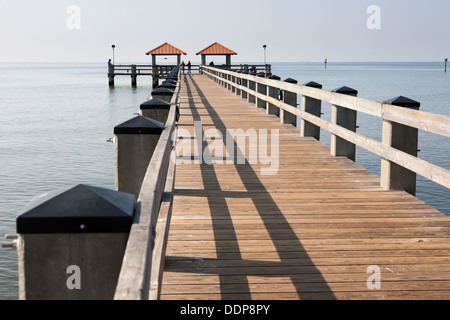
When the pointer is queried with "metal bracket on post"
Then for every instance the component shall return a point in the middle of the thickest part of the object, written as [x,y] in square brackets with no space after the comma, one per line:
[10,244]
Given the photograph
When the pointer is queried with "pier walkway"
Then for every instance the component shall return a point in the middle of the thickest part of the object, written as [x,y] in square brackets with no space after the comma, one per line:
[320,227]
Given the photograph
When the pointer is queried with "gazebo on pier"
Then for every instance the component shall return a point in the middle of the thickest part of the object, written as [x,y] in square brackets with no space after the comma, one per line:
[216,49]
[165,49]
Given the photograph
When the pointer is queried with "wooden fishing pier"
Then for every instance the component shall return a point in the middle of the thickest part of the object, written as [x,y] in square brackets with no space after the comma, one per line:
[158,72]
[274,215]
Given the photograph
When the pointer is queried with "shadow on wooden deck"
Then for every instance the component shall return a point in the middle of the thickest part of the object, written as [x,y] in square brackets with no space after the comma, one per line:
[231,253]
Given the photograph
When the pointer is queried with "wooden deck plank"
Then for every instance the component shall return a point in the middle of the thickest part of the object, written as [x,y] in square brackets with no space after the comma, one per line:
[310,231]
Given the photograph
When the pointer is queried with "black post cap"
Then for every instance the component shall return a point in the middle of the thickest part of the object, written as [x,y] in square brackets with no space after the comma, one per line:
[162,92]
[401,101]
[79,209]
[346,90]
[313,84]
[139,125]
[274,77]
[170,81]
[155,104]
[167,85]
[290,80]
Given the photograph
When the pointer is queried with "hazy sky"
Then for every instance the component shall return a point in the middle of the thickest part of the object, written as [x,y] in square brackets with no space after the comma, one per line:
[293,30]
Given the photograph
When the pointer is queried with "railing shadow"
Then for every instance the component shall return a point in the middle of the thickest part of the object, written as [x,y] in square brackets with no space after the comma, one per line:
[232,251]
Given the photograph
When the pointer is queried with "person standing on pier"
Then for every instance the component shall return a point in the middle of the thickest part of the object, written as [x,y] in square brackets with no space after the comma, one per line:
[110,67]
[182,66]
[189,66]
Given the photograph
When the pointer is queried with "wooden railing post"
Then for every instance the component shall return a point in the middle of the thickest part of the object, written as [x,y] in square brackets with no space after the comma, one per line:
[136,140]
[168,84]
[289,98]
[233,80]
[273,92]
[314,107]
[155,109]
[224,77]
[72,242]
[252,86]
[163,94]
[403,138]
[345,118]
[244,84]
[262,89]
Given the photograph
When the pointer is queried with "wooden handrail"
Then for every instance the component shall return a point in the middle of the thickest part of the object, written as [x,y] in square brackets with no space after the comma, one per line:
[430,122]
[154,200]
[438,124]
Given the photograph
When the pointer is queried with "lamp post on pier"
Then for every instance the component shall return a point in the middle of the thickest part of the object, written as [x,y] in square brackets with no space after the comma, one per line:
[265,64]
[113,46]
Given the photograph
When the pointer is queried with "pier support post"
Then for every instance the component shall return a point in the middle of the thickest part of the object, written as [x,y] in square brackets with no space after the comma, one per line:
[111,75]
[135,142]
[403,138]
[314,107]
[72,242]
[289,98]
[155,109]
[273,92]
[133,75]
[155,82]
[345,118]
[155,75]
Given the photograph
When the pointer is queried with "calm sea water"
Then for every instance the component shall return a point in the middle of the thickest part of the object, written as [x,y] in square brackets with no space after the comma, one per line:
[55,120]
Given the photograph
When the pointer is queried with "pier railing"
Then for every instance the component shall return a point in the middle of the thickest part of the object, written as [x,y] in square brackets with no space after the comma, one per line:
[143,262]
[110,242]
[146,70]
[400,117]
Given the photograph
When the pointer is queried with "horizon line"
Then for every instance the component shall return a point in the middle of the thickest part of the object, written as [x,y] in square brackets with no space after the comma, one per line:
[244,62]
